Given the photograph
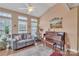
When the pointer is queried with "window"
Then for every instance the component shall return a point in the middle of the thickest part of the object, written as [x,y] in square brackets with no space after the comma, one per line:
[5,20]
[4,14]
[34,24]
[1,26]
[22,24]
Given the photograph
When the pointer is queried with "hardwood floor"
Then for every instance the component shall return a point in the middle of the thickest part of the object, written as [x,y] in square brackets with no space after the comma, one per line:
[8,52]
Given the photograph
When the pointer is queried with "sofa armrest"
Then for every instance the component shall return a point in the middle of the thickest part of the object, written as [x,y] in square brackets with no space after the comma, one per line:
[13,44]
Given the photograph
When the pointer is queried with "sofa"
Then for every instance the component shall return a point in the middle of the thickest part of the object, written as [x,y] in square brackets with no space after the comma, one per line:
[21,40]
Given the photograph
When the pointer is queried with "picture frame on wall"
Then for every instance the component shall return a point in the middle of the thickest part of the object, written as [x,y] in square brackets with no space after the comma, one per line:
[56,22]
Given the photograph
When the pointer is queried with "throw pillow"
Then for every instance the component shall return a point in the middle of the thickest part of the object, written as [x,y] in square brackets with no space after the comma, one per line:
[17,37]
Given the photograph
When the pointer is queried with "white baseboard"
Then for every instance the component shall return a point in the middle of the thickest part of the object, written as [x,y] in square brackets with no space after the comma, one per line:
[75,51]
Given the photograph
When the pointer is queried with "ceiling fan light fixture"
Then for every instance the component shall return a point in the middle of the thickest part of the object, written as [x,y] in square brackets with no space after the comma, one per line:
[30,8]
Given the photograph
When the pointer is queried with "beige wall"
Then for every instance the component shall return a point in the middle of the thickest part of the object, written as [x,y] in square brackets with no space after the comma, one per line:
[69,22]
[14,23]
[29,24]
[78,28]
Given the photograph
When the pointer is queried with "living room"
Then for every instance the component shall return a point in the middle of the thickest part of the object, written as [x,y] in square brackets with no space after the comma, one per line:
[22,21]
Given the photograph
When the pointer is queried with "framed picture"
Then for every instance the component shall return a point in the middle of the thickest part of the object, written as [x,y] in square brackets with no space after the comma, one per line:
[56,22]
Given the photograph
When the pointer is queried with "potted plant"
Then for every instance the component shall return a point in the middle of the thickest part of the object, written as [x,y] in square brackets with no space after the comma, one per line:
[3,38]
[3,42]
[7,35]
[6,29]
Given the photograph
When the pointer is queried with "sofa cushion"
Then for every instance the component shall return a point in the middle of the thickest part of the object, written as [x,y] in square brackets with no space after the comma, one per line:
[21,41]
[29,39]
[20,44]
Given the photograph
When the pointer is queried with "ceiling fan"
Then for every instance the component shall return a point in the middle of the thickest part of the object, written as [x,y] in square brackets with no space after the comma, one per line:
[29,8]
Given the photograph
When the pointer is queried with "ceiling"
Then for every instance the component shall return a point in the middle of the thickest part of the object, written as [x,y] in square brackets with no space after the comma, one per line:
[39,8]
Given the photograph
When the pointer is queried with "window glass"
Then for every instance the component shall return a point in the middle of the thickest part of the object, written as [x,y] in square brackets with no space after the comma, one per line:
[34,26]
[4,14]
[4,21]
[22,24]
